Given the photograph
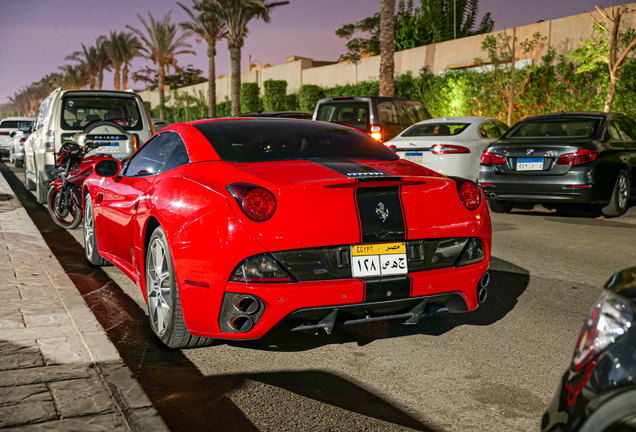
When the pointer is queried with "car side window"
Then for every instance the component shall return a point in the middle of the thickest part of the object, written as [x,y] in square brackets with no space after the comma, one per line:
[503,128]
[151,158]
[489,130]
[628,127]
[616,131]
[388,113]
[178,157]
[409,115]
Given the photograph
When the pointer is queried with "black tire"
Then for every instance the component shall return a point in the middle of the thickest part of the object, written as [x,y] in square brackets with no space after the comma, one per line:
[173,333]
[70,218]
[497,206]
[40,190]
[28,183]
[19,163]
[90,240]
[620,196]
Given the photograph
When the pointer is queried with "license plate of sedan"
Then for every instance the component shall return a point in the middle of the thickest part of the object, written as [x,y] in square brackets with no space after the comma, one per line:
[378,259]
[530,164]
[414,157]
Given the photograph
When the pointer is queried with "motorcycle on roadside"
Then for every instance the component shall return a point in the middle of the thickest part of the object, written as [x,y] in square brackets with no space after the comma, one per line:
[64,198]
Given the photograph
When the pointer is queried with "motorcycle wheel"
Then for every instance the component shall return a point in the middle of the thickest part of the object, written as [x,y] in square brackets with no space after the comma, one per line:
[69,218]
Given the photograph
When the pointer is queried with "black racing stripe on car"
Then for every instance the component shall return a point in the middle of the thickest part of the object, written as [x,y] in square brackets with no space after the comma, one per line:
[394,288]
[406,226]
[380,214]
[349,168]
[355,201]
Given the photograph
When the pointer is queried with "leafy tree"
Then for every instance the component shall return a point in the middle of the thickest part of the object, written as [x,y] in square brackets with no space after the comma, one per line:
[128,46]
[89,57]
[161,45]
[387,47]
[113,50]
[189,75]
[206,25]
[609,46]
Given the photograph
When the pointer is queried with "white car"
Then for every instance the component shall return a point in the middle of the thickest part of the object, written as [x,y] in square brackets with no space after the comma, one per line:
[9,125]
[449,145]
[16,150]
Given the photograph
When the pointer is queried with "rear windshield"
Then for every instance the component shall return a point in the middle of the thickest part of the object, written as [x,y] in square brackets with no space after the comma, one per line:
[352,114]
[436,129]
[9,124]
[80,111]
[555,128]
[263,140]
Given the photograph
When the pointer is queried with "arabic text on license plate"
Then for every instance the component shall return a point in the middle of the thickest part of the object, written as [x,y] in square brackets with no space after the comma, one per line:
[378,259]
[414,157]
[530,164]
[108,149]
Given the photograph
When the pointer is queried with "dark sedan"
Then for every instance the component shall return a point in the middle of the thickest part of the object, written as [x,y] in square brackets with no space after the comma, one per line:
[563,158]
[598,392]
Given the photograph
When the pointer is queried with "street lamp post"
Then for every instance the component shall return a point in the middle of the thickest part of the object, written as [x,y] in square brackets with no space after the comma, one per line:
[454,19]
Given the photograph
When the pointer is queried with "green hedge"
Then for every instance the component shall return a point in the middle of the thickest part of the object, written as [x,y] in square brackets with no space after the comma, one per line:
[274,95]
[308,97]
[224,109]
[250,97]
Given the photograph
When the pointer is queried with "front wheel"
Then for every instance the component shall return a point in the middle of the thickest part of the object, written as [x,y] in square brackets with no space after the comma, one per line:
[164,304]
[90,241]
[620,196]
[497,206]
[70,215]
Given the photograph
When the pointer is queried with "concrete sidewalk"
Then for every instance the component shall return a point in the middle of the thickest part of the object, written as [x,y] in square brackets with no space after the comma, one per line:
[58,369]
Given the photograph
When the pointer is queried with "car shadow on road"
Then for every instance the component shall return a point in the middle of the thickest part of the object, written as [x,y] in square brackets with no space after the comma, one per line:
[507,284]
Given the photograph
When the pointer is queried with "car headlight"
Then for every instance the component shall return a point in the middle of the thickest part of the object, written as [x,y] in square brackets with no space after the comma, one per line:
[609,319]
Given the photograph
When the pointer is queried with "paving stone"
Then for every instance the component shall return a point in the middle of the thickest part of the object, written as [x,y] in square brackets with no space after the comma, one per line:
[10,319]
[99,423]
[85,320]
[37,316]
[12,378]
[60,279]
[100,347]
[126,391]
[72,298]
[23,355]
[33,292]
[81,397]
[9,293]
[63,350]
[33,333]
[14,415]
[146,419]
[28,393]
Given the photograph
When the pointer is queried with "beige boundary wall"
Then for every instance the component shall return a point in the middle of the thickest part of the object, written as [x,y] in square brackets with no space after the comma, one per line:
[562,34]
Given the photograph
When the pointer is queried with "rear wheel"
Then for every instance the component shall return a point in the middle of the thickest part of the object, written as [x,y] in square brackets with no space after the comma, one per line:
[90,241]
[164,304]
[497,206]
[70,216]
[620,196]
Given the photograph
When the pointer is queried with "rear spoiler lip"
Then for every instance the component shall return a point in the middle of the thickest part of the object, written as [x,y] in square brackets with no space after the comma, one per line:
[375,184]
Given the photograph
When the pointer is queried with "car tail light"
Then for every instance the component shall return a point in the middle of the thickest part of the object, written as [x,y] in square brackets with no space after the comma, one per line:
[469,193]
[490,158]
[376,132]
[261,269]
[441,149]
[257,203]
[581,157]
[23,139]
[49,141]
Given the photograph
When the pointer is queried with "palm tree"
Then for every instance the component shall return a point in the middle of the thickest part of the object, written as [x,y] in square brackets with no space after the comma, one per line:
[161,45]
[102,60]
[387,47]
[236,14]
[88,56]
[112,47]
[208,26]
[129,47]
[75,76]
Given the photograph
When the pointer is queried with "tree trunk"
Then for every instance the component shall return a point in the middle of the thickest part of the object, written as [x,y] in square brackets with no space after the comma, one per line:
[235,55]
[211,80]
[387,48]
[124,78]
[100,79]
[512,83]
[160,78]
[93,82]
[610,91]
[117,78]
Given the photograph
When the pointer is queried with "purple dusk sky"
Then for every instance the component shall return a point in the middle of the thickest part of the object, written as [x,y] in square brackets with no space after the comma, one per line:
[36,35]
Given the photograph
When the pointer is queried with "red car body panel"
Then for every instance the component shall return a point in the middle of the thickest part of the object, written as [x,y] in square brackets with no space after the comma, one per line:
[209,235]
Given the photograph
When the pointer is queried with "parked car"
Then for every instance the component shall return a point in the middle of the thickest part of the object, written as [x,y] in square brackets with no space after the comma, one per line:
[563,158]
[449,145]
[159,124]
[117,119]
[16,149]
[598,392]
[280,114]
[231,227]
[9,125]
[381,117]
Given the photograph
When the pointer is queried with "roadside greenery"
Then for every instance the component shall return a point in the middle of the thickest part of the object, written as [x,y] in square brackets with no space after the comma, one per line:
[274,95]
[250,98]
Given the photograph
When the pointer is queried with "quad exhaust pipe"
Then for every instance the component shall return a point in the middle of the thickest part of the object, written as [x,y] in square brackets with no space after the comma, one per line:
[245,306]
[491,195]
[482,288]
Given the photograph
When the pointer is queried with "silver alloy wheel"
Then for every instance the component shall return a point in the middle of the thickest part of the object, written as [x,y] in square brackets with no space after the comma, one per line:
[89,227]
[158,287]
[622,192]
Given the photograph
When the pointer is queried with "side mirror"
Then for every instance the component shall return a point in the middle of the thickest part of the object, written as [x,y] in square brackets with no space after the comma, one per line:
[108,168]
[12,134]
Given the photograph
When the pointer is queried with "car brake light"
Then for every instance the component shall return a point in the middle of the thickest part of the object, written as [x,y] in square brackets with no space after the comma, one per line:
[376,132]
[469,193]
[490,158]
[581,157]
[260,268]
[440,149]
[22,140]
[257,203]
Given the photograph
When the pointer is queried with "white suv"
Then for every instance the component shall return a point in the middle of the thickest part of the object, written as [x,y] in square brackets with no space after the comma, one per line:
[118,120]
[8,126]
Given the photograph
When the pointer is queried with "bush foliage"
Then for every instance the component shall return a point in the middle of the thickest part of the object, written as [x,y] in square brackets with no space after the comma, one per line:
[250,97]
[274,95]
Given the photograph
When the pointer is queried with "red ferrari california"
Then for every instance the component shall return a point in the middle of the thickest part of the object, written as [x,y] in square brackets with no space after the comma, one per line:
[233,227]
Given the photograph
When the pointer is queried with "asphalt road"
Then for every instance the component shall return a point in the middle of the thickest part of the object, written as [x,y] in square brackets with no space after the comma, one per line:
[494,369]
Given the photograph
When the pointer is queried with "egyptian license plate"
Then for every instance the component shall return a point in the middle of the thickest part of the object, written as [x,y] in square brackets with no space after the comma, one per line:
[378,259]
[108,148]
[414,157]
[530,164]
